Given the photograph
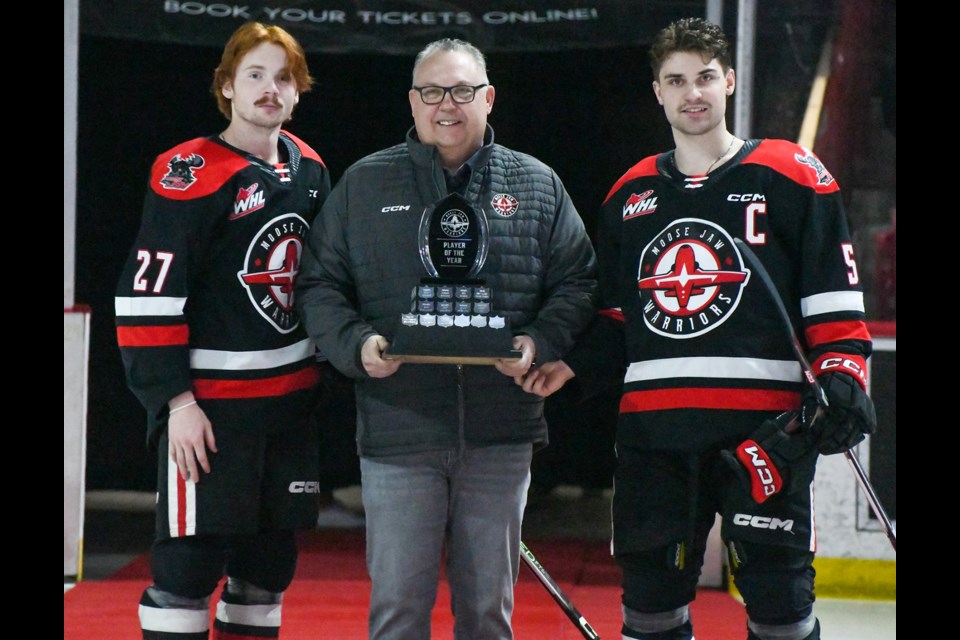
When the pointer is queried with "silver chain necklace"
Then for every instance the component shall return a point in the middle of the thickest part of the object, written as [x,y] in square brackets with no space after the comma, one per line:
[721,156]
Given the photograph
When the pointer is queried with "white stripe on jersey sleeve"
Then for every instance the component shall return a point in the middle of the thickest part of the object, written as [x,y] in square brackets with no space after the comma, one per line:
[148,306]
[712,367]
[248,360]
[830,302]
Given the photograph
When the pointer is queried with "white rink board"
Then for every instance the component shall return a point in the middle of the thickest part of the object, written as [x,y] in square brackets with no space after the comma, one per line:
[844,526]
[76,348]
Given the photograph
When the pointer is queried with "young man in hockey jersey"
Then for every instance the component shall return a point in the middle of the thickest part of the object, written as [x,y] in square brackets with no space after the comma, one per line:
[706,359]
[214,350]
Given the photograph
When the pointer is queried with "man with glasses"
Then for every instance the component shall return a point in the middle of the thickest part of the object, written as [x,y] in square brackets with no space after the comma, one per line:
[445,448]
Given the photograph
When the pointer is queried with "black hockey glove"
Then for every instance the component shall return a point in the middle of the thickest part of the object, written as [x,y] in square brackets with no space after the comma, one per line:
[772,461]
[849,417]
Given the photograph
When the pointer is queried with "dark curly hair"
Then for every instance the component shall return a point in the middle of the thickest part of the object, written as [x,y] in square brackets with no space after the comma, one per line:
[690,34]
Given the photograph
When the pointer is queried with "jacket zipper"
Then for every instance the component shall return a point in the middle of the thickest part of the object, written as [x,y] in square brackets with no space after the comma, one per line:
[461,408]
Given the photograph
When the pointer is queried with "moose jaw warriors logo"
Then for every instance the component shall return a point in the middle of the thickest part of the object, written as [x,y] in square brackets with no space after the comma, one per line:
[690,280]
[270,268]
[504,204]
[454,223]
[180,176]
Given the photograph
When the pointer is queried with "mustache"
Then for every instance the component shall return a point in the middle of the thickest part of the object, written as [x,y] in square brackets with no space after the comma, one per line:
[269,101]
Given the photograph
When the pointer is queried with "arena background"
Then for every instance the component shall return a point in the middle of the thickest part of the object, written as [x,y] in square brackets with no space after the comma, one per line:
[574,92]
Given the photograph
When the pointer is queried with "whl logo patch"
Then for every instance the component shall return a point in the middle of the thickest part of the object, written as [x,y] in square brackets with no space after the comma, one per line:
[639,205]
[248,200]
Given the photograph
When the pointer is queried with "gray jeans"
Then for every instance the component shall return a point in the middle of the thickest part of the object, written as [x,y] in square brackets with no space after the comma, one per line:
[466,507]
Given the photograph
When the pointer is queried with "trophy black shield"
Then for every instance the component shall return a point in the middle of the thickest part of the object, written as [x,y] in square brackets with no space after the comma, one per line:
[453,239]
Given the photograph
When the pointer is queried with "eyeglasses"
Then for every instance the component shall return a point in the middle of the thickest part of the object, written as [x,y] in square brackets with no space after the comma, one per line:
[461,93]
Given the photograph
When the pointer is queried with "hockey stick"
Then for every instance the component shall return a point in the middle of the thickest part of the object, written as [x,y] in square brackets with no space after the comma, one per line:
[811,380]
[561,599]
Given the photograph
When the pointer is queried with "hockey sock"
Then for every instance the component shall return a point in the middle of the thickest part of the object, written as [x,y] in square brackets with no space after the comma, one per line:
[246,612]
[806,629]
[667,625]
[165,616]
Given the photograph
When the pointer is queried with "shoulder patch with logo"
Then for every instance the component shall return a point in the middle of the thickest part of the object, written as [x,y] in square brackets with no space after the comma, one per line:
[180,174]
[823,176]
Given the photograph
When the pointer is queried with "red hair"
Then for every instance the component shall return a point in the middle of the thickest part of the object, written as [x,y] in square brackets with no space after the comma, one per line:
[247,37]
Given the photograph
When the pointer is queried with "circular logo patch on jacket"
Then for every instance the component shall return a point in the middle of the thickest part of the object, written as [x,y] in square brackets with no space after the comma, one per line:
[504,204]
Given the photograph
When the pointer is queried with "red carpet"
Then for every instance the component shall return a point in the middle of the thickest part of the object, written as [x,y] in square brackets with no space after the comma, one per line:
[329,597]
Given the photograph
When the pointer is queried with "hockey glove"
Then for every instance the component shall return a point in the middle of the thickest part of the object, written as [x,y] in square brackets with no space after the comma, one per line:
[849,417]
[773,461]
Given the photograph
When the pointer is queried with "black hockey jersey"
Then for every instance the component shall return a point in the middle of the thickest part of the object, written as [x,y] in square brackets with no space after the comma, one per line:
[205,301]
[707,356]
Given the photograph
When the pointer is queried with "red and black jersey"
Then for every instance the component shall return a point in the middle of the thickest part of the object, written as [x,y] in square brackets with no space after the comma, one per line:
[706,353]
[205,302]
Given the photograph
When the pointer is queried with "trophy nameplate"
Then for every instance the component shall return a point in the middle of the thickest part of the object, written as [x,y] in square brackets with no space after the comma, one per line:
[452,318]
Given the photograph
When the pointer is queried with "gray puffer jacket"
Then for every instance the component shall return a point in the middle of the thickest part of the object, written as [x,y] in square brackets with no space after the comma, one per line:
[362,261]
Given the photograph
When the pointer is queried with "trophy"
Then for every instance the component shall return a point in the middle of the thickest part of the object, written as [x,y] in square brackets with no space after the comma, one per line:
[452,318]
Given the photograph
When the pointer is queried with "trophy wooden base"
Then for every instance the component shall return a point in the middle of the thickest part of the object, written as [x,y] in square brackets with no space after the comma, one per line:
[452,345]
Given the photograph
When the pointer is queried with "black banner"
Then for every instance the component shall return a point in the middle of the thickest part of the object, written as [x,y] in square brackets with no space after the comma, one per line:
[360,26]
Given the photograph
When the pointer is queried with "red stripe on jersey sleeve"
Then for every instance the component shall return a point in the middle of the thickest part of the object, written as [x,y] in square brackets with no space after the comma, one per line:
[646,167]
[616,314]
[697,398]
[795,162]
[836,331]
[208,389]
[153,336]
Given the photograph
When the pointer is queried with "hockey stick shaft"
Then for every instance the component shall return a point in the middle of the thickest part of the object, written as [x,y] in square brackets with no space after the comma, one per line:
[557,594]
[811,380]
[891,531]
